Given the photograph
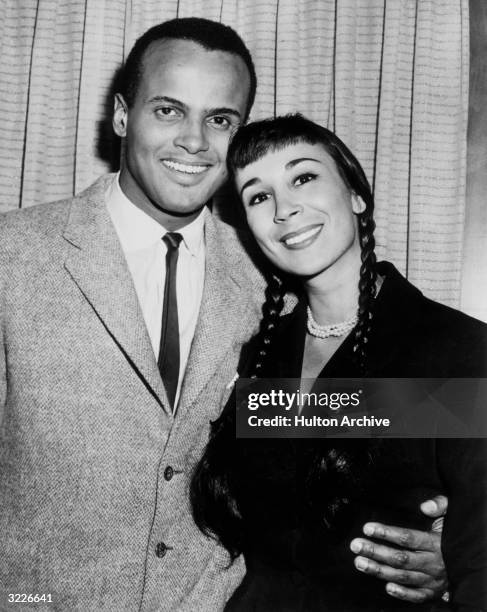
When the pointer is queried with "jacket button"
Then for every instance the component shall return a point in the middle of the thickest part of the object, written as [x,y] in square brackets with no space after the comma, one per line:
[161,549]
[168,473]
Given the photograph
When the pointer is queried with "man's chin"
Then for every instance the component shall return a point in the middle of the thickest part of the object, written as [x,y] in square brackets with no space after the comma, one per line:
[182,212]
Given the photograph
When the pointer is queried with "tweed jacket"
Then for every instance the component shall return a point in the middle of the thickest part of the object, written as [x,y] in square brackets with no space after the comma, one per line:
[94,467]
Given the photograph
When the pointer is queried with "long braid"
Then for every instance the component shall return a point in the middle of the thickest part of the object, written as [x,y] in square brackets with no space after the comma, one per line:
[367,288]
[212,498]
[343,468]
[271,310]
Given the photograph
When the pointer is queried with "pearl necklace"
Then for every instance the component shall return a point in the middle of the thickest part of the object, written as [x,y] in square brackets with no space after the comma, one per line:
[335,329]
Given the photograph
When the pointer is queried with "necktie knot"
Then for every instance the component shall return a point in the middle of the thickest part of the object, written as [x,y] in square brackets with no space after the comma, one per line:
[172,240]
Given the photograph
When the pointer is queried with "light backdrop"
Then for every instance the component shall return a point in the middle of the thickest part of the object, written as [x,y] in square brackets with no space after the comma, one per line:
[389,76]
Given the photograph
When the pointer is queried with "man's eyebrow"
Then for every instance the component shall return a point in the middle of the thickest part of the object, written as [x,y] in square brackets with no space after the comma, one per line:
[250,182]
[294,162]
[166,99]
[223,110]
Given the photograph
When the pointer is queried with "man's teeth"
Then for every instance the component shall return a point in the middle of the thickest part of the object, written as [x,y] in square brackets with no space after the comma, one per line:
[184,167]
[303,237]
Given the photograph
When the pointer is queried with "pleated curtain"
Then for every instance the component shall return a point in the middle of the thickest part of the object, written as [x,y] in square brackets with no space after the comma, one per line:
[389,76]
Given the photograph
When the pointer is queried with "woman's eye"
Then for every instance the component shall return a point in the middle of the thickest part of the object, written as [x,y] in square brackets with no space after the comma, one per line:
[219,122]
[258,198]
[304,178]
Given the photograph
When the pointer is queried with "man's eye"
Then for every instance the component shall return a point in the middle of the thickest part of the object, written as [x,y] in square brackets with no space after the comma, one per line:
[304,178]
[258,198]
[219,122]
[166,111]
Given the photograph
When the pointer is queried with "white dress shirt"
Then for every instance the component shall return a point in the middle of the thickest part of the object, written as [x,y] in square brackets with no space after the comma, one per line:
[141,239]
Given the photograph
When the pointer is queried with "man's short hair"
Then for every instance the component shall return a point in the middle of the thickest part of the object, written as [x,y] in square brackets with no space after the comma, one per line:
[211,35]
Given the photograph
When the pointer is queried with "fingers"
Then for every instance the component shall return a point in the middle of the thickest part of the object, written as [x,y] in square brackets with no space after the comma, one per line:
[435,507]
[401,577]
[437,525]
[400,559]
[410,539]
[411,595]
[414,572]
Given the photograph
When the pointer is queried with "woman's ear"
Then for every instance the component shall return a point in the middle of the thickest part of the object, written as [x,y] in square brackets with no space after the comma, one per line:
[358,205]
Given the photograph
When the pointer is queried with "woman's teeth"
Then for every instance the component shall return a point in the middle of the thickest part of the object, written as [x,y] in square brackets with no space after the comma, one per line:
[302,237]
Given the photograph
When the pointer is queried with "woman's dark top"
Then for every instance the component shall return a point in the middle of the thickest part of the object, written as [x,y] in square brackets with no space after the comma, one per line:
[296,548]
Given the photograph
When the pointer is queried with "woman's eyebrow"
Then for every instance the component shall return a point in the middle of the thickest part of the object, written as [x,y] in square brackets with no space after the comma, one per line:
[250,182]
[293,162]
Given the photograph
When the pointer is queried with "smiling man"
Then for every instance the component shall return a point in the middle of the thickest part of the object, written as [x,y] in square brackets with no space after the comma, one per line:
[123,314]
[177,128]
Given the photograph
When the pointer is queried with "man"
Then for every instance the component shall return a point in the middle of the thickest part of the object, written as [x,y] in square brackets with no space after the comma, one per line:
[99,432]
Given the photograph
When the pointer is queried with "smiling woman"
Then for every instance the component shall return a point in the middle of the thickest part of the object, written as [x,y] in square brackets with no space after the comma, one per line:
[292,507]
[295,199]
[310,208]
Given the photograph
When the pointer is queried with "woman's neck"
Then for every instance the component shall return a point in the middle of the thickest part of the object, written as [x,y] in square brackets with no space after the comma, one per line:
[333,294]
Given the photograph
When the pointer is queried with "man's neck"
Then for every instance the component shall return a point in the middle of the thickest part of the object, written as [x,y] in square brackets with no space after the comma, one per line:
[170,221]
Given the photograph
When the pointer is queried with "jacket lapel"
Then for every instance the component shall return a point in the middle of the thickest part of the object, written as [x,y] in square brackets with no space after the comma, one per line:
[97,265]
[223,310]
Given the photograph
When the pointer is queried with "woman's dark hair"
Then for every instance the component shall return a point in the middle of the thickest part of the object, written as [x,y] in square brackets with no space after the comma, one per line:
[214,508]
[210,35]
[339,469]
[253,141]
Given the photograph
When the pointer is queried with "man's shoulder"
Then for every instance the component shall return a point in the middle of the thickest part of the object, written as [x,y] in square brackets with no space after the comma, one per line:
[18,227]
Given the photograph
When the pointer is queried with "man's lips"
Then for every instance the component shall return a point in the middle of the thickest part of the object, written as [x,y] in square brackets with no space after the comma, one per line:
[302,237]
[185,167]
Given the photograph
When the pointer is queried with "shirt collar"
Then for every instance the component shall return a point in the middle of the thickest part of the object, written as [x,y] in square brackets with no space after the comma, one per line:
[137,230]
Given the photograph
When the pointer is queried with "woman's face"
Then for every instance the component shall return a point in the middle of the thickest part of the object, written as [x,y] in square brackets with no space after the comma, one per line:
[300,211]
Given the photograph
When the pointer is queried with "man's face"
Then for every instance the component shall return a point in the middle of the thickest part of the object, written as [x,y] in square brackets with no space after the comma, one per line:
[188,104]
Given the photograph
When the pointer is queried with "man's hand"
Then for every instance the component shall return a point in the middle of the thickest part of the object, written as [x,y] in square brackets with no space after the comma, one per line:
[416,571]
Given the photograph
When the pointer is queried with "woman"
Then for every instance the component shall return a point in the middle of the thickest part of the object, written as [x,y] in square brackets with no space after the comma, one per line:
[292,506]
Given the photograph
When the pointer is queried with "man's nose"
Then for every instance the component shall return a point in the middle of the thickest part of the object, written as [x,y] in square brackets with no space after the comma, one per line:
[286,207]
[192,136]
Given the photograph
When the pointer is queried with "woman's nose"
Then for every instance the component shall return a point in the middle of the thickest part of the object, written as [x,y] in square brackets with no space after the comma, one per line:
[286,207]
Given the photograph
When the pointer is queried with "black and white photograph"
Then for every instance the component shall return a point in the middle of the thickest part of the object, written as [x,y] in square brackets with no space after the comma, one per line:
[212,214]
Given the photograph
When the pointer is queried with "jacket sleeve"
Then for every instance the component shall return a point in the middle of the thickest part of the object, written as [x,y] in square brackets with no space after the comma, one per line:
[3,371]
[3,360]
[464,543]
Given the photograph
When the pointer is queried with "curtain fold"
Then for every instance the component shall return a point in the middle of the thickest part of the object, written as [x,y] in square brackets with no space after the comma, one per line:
[389,76]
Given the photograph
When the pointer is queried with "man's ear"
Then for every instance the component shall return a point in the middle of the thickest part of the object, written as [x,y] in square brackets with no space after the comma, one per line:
[120,113]
[358,205]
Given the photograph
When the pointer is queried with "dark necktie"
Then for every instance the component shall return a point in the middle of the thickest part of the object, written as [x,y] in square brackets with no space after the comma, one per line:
[168,360]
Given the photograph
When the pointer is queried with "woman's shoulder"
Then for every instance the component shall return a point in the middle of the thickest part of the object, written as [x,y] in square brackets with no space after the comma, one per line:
[410,298]
[431,330]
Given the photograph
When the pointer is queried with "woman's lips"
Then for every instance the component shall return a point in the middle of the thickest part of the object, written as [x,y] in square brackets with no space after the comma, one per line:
[302,238]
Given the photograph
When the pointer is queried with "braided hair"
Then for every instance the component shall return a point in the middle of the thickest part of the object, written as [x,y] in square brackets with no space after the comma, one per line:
[271,310]
[213,504]
[338,469]
[367,288]
[253,141]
